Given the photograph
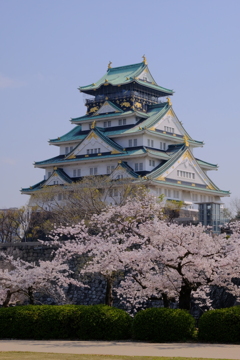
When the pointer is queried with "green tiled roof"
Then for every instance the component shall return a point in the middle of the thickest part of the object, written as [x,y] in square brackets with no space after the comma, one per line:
[176,152]
[129,170]
[107,140]
[62,159]
[33,187]
[124,75]
[196,187]
[74,134]
[97,117]
[207,164]
[63,175]
[163,154]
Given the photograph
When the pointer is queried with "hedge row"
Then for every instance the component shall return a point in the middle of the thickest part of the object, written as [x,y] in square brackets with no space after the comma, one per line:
[101,322]
[222,326]
[96,322]
[161,325]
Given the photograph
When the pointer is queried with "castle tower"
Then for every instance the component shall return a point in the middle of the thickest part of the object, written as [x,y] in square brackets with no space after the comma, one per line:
[130,130]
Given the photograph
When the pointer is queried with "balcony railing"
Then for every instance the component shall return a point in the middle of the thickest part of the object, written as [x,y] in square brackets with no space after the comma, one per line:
[122,95]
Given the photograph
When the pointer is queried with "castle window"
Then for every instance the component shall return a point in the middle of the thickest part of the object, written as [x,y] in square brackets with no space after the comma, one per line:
[55,183]
[110,169]
[176,194]
[169,129]
[76,172]
[71,148]
[194,197]
[202,198]
[132,142]
[93,171]
[185,174]
[119,177]
[93,151]
[151,162]
[49,174]
[107,124]
[162,145]
[66,150]
[167,193]
[121,122]
[138,166]
[150,143]
[113,192]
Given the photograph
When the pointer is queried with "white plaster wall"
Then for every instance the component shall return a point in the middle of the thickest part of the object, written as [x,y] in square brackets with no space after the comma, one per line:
[63,147]
[156,140]
[114,122]
[185,165]
[124,141]
[92,144]
[170,121]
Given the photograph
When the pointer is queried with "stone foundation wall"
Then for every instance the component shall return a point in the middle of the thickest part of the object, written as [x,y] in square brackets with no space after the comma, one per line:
[95,293]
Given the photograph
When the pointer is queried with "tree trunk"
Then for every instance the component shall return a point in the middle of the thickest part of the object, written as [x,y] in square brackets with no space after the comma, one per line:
[185,297]
[30,295]
[109,297]
[8,298]
[166,301]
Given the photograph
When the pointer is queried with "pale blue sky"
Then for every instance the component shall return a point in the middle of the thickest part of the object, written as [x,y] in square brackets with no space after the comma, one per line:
[50,47]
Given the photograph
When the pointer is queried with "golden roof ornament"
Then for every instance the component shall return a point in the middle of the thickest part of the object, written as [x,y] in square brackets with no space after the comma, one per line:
[144,59]
[186,142]
[93,124]
[169,101]
[109,65]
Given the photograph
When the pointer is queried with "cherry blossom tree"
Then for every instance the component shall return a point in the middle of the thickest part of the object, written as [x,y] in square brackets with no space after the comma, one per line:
[107,236]
[21,280]
[157,259]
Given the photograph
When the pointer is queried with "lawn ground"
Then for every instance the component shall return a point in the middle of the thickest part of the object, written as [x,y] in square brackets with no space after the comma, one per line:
[14,355]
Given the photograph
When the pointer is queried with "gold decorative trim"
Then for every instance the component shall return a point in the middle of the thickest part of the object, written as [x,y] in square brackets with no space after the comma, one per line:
[169,101]
[185,138]
[109,65]
[187,155]
[152,128]
[120,161]
[73,156]
[161,178]
[193,185]
[138,105]
[94,109]
[99,154]
[86,155]
[93,124]
[92,135]
[144,60]
[115,152]
[55,168]
[210,187]
[126,104]
[179,182]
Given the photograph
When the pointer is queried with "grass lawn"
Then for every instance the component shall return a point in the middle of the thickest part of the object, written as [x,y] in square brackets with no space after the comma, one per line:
[18,355]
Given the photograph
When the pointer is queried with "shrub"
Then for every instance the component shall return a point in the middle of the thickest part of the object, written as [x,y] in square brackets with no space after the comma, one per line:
[221,326]
[161,324]
[64,322]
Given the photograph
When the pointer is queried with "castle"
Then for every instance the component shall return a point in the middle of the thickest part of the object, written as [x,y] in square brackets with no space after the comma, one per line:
[130,130]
